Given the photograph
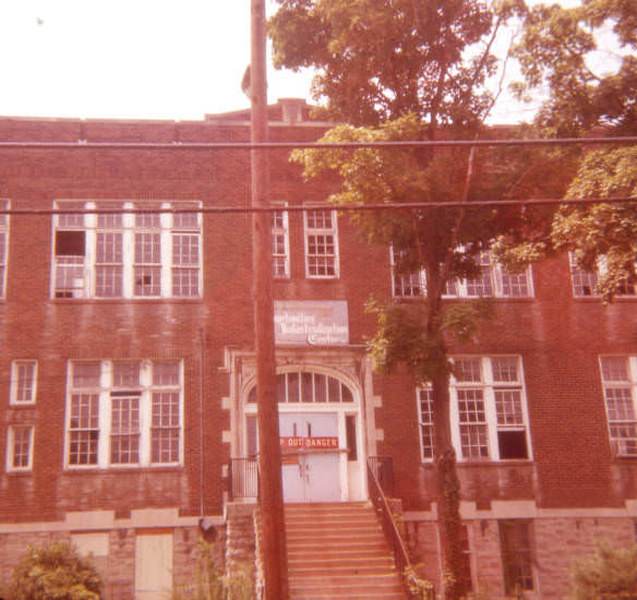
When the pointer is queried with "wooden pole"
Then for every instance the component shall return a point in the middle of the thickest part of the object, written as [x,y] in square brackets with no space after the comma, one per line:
[270,489]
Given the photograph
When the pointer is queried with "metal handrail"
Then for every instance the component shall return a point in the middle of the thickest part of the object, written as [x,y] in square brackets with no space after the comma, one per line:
[383,468]
[390,528]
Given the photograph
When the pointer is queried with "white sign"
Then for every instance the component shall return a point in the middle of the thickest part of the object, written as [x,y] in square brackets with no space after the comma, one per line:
[313,322]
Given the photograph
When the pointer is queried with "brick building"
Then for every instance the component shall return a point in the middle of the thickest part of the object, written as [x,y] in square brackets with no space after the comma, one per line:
[127,368]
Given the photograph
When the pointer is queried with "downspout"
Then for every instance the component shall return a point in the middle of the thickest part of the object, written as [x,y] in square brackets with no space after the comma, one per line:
[202,363]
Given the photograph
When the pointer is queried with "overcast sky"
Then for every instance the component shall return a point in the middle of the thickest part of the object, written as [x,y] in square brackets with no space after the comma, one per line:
[175,59]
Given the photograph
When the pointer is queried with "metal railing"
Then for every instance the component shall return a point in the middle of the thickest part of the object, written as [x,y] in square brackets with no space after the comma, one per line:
[390,528]
[383,469]
[243,478]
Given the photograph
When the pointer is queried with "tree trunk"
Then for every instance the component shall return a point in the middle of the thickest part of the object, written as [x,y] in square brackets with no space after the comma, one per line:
[447,483]
[447,492]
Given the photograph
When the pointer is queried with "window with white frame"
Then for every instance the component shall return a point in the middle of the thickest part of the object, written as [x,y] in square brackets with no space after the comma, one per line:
[493,281]
[405,285]
[23,381]
[280,245]
[585,282]
[20,448]
[127,254]
[321,244]
[488,410]
[619,380]
[124,413]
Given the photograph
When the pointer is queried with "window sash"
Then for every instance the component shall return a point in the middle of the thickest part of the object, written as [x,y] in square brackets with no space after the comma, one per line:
[23,381]
[280,245]
[20,447]
[619,383]
[517,555]
[494,281]
[584,282]
[321,244]
[124,414]
[130,255]
[488,411]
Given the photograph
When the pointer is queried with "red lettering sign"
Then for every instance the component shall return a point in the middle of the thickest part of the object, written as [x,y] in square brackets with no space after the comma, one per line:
[311,443]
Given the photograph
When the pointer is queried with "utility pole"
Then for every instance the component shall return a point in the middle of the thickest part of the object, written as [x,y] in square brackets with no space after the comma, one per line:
[274,553]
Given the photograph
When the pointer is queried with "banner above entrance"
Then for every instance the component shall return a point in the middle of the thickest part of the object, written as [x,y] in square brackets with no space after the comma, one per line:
[311,322]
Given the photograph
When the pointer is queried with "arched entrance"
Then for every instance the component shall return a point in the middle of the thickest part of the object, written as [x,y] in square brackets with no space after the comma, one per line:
[320,432]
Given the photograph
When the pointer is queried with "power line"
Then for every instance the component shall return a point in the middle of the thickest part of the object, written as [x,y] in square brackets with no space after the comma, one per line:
[310,207]
[84,145]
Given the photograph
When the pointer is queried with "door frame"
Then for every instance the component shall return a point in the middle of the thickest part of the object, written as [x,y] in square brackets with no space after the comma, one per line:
[352,475]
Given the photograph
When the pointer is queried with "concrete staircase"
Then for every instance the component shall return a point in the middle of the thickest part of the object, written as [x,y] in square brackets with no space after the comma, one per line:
[338,551]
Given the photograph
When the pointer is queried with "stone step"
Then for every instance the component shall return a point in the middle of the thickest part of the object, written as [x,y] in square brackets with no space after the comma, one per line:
[344,535]
[318,551]
[380,558]
[338,552]
[340,569]
[326,520]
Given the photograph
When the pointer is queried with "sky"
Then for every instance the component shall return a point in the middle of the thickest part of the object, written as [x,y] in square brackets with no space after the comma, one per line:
[140,59]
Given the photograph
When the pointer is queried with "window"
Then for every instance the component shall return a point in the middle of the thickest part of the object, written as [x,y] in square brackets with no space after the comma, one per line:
[405,285]
[4,245]
[23,381]
[619,380]
[306,386]
[493,281]
[517,555]
[20,448]
[280,245]
[124,413]
[488,410]
[585,282]
[127,255]
[321,244]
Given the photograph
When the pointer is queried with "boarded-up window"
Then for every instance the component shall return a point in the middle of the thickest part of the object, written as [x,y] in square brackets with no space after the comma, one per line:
[153,565]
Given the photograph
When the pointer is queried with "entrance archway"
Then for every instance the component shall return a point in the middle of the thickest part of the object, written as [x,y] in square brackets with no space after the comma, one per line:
[321,435]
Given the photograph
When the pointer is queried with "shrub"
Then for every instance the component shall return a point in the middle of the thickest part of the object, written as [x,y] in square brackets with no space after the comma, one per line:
[54,572]
[210,583]
[609,574]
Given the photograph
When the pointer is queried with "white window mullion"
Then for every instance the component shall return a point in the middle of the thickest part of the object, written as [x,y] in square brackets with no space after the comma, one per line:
[104,444]
[145,403]
[455,421]
[128,250]
[492,422]
[89,264]
[145,408]
[128,256]
[166,262]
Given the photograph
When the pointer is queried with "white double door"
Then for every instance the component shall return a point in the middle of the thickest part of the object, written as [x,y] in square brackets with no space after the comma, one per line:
[311,473]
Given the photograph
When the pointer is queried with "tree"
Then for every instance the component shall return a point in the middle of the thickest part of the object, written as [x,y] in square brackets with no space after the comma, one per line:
[54,572]
[398,70]
[560,51]
[608,574]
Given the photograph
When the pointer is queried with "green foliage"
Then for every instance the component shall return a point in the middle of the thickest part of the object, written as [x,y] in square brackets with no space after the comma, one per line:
[380,59]
[609,574]
[557,51]
[401,338]
[211,584]
[54,572]
[602,232]
[419,587]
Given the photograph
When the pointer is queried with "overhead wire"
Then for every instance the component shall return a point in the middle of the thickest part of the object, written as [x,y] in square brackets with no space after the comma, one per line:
[322,206]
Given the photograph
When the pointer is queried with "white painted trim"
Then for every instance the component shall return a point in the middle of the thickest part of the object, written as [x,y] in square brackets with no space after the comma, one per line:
[14,382]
